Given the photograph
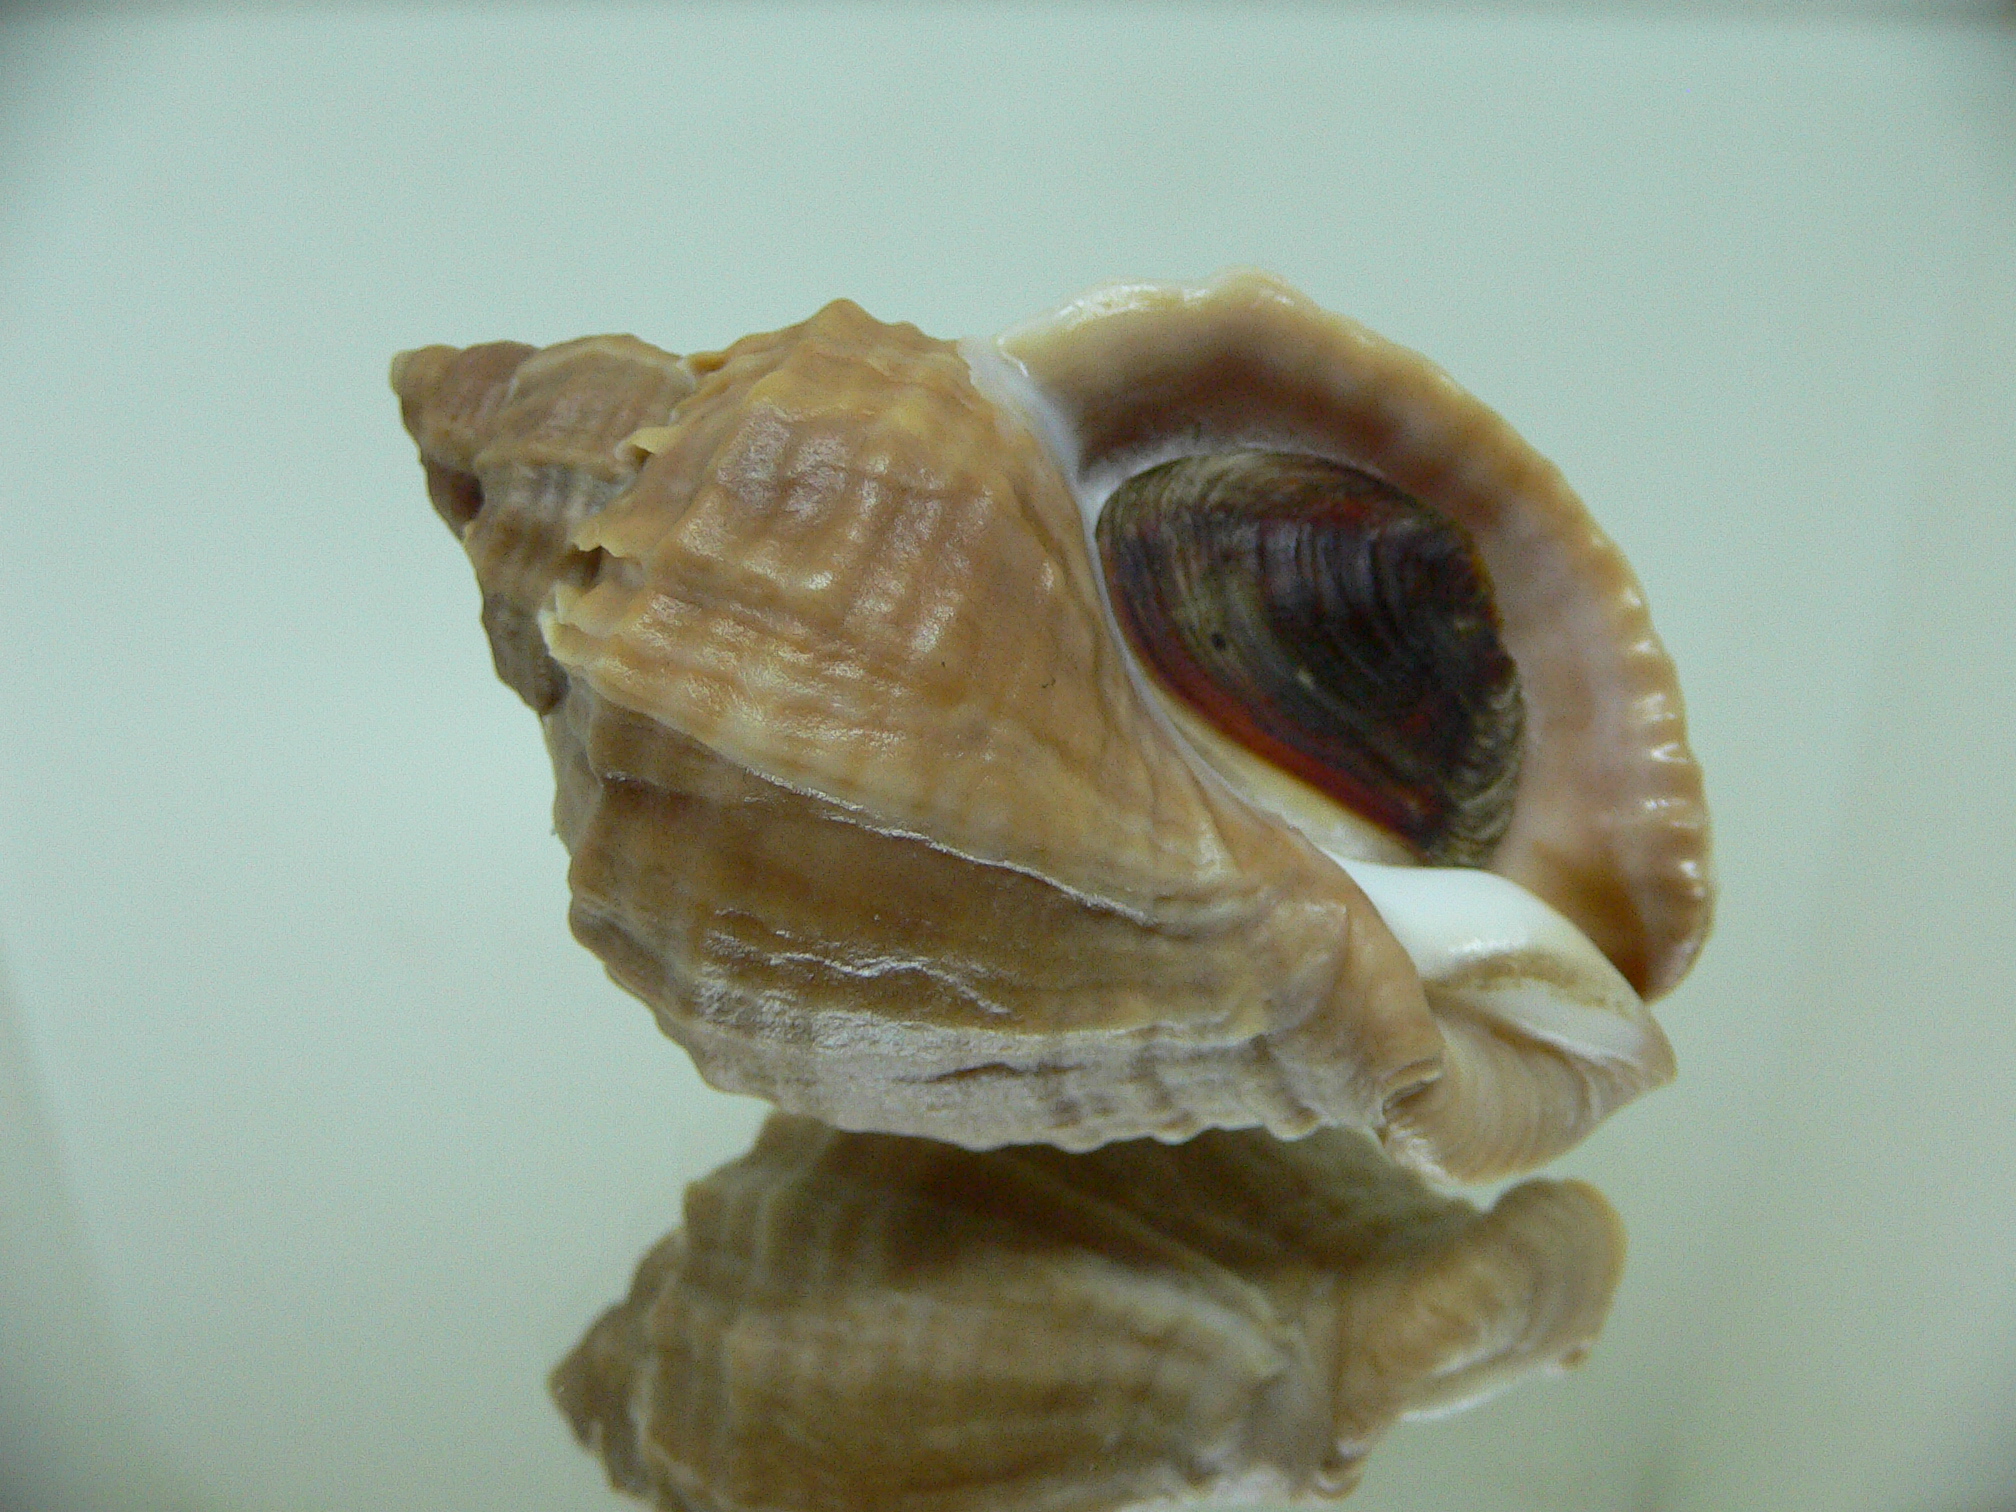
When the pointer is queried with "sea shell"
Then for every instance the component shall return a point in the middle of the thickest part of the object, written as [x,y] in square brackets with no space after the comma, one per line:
[859,1321]
[870,800]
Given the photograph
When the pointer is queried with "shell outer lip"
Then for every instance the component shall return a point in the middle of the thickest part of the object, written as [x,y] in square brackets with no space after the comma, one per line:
[1133,373]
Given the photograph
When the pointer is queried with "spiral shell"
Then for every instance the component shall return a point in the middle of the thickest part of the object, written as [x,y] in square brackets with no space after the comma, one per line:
[869,799]
[854,1321]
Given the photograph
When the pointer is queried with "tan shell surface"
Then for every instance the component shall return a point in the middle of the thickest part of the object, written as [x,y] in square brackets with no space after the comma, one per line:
[877,982]
[852,574]
[979,892]
[865,800]
[1610,824]
[872,1322]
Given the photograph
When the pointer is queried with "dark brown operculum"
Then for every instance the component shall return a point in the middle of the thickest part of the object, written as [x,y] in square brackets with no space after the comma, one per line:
[1332,625]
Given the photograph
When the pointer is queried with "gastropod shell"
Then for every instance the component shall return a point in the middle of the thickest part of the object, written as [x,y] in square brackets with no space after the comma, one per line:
[1184,710]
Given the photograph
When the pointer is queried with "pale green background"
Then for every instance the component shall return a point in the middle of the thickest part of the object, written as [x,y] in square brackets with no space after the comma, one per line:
[321,1138]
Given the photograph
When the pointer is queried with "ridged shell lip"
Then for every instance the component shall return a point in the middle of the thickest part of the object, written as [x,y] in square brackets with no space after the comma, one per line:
[1610,825]
[1467,919]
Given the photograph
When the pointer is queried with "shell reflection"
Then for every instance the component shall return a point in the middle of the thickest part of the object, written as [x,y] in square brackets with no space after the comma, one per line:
[857,1321]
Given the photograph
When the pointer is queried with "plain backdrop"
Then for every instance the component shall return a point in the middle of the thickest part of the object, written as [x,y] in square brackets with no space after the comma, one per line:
[320,1140]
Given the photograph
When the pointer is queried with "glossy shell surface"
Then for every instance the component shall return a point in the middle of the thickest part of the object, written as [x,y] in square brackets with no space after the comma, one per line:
[868,798]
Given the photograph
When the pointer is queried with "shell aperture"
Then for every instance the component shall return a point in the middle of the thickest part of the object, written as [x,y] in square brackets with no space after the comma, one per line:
[1332,624]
